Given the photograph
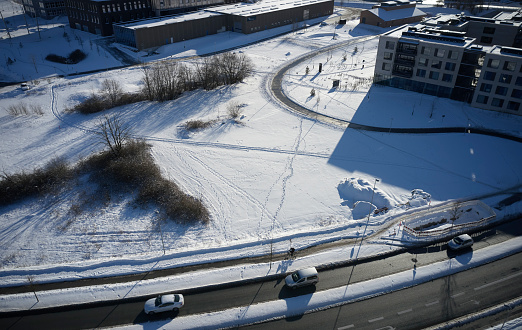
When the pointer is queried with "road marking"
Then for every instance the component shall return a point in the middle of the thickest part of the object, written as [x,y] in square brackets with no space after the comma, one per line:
[346,327]
[498,281]
[375,320]
[405,311]
[457,295]
[432,303]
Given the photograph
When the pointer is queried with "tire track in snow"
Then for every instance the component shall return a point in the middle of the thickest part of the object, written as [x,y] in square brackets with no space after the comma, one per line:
[230,184]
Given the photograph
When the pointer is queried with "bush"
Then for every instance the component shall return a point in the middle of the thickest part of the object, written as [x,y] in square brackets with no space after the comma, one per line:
[196,124]
[136,169]
[74,57]
[14,187]
[56,58]
[234,110]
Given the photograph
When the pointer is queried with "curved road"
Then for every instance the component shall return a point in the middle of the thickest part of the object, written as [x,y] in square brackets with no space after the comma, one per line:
[277,92]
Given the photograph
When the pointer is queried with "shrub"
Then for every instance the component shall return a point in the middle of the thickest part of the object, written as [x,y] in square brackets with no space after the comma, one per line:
[76,56]
[14,187]
[56,58]
[135,168]
[196,124]
[18,109]
[234,110]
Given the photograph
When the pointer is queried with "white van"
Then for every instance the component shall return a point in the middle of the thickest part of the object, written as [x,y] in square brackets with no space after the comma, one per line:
[302,277]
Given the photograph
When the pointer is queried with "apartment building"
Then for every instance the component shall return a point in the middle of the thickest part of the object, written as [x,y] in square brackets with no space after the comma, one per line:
[98,16]
[453,65]
[44,8]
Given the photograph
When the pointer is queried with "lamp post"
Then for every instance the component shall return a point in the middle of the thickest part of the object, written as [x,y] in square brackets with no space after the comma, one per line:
[371,203]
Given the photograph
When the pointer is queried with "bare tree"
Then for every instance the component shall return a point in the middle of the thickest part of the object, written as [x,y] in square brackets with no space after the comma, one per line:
[114,134]
[234,109]
[112,90]
[454,212]
[235,68]
[208,73]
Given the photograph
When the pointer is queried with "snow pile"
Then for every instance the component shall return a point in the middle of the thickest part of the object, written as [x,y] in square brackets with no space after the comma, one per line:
[419,198]
[361,196]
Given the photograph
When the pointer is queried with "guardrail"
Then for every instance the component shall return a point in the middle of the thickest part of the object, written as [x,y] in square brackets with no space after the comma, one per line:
[456,229]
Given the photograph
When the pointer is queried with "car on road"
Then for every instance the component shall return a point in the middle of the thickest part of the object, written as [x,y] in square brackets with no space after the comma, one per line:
[164,303]
[24,86]
[302,277]
[460,242]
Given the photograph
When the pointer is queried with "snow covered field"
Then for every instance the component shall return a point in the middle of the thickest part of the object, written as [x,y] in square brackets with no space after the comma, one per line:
[273,180]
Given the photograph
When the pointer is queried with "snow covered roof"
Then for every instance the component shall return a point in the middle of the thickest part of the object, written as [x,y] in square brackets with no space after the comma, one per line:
[390,15]
[164,20]
[262,7]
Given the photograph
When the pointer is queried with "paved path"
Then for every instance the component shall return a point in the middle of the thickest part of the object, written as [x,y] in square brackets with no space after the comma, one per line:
[276,90]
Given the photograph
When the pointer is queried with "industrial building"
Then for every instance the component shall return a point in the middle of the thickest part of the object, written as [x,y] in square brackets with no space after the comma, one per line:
[242,18]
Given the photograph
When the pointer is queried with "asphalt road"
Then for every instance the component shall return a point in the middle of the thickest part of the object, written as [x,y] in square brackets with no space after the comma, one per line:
[421,306]
[362,312]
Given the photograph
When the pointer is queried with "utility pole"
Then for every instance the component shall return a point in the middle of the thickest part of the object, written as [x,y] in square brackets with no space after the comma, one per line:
[6,28]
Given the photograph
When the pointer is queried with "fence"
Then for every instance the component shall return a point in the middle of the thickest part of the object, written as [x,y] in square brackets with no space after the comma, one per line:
[456,229]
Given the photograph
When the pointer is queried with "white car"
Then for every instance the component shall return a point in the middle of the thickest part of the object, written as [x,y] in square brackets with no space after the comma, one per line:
[460,242]
[24,86]
[164,303]
[302,277]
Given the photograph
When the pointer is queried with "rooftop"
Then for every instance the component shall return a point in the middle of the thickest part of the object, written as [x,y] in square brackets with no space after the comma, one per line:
[262,7]
[164,20]
[390,15]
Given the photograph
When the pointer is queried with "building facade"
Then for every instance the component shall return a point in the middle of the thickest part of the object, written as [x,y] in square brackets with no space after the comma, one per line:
[44,8]
[98,16]
[242,18]
[450,64]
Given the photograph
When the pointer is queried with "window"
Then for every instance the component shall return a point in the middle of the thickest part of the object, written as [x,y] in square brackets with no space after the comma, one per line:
[423,61]
[453,55]
[421,73]
[488,75]
[501,90]
[426,50]
[516,93]
[510,66]
[436,64]
[497,102]
[447,77]
[388,55]
[486,40]
[518,82]
[505,78]
[489,30]
[450,66]
[492,63]
[434,75]
[485,88]
[390,45]
[513,105]
[386,66]
[440,52]
[482,99]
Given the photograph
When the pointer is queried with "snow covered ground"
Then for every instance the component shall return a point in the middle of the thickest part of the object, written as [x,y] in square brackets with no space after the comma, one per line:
[274,180]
